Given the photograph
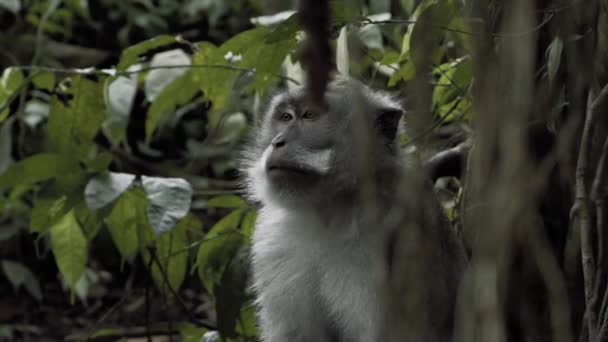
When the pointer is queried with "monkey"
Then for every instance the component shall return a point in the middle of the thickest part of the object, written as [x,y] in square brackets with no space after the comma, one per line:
[331,210]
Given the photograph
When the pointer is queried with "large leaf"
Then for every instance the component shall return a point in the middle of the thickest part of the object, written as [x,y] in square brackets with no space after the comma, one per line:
[177,93]
[261,48]
[19,275]
[230,295]
[123,222]
[132,54]
[218,248]
[169,270]
[34,169]
[168,201]
[69,247]
[73,124]
[158,79]
[104,188]
[43,79]
[454,79]
[119,96]
[11,81]
[227,201]
[215,81]
[428,32]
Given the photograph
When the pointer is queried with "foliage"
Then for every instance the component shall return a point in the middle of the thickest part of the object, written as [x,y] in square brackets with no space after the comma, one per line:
[137,146]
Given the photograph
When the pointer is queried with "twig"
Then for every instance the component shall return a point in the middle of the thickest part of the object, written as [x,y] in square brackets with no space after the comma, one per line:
[114,72]
[582,207]
[148,327]
[103,317]
[598,195]
[497,35]
[193,319]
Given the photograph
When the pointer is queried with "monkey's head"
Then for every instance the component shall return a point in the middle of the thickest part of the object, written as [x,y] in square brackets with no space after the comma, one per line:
[303,157]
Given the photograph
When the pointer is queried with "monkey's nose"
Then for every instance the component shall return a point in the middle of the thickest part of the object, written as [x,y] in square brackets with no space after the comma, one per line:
[278,141]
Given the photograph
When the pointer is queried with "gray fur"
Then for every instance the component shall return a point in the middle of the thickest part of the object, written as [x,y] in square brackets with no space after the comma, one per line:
[319,251]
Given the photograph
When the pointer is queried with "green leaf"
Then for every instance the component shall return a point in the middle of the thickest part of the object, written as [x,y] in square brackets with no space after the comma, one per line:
[104,188]
[48,210]
[119,95]
[172,255]
[18,274]
[123,222]
[6,144]
[132,54]
[454,78]
[11,81]
[406,72]
[69,247]
[72,126]
[227,201]
[342,12]
[259,48]
[158,79]
[169,201]
[247,323]
[34,169]
[230,294]
[191,333]
[43,79]
[215,82]
[248,224]
[177,93]
[554,57]
[218,248]
[428,32]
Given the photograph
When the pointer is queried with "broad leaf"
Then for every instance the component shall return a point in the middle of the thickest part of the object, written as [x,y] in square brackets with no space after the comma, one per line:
[18,274]
[43,79]
[227,201]
[177,93]
[123,221]
[168,201]
[34,169]
[172,255]
[104,188]
[158,79]
[11,81]
[119,96]
[73,125]
[218,248]
[69,247]
[132,54]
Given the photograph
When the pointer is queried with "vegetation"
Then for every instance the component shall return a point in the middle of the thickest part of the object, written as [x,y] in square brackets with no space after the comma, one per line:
[121,121]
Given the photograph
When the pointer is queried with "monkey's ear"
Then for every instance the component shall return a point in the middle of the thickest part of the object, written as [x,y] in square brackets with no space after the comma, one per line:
[387,123]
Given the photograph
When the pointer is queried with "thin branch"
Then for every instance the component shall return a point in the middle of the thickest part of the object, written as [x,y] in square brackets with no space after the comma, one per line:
[582,207]
[179,299]
[497,35]
[114,72]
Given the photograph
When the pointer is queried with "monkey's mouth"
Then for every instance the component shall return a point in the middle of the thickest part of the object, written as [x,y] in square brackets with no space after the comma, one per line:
[289,169]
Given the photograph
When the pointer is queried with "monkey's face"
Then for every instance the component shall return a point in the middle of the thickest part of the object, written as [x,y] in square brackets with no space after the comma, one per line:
[303,156]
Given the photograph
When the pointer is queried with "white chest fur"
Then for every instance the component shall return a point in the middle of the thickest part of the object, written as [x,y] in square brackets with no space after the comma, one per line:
[311,278]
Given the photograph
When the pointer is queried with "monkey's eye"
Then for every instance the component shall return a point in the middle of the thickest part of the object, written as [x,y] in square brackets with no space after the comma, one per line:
[309,115]
[285,117]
